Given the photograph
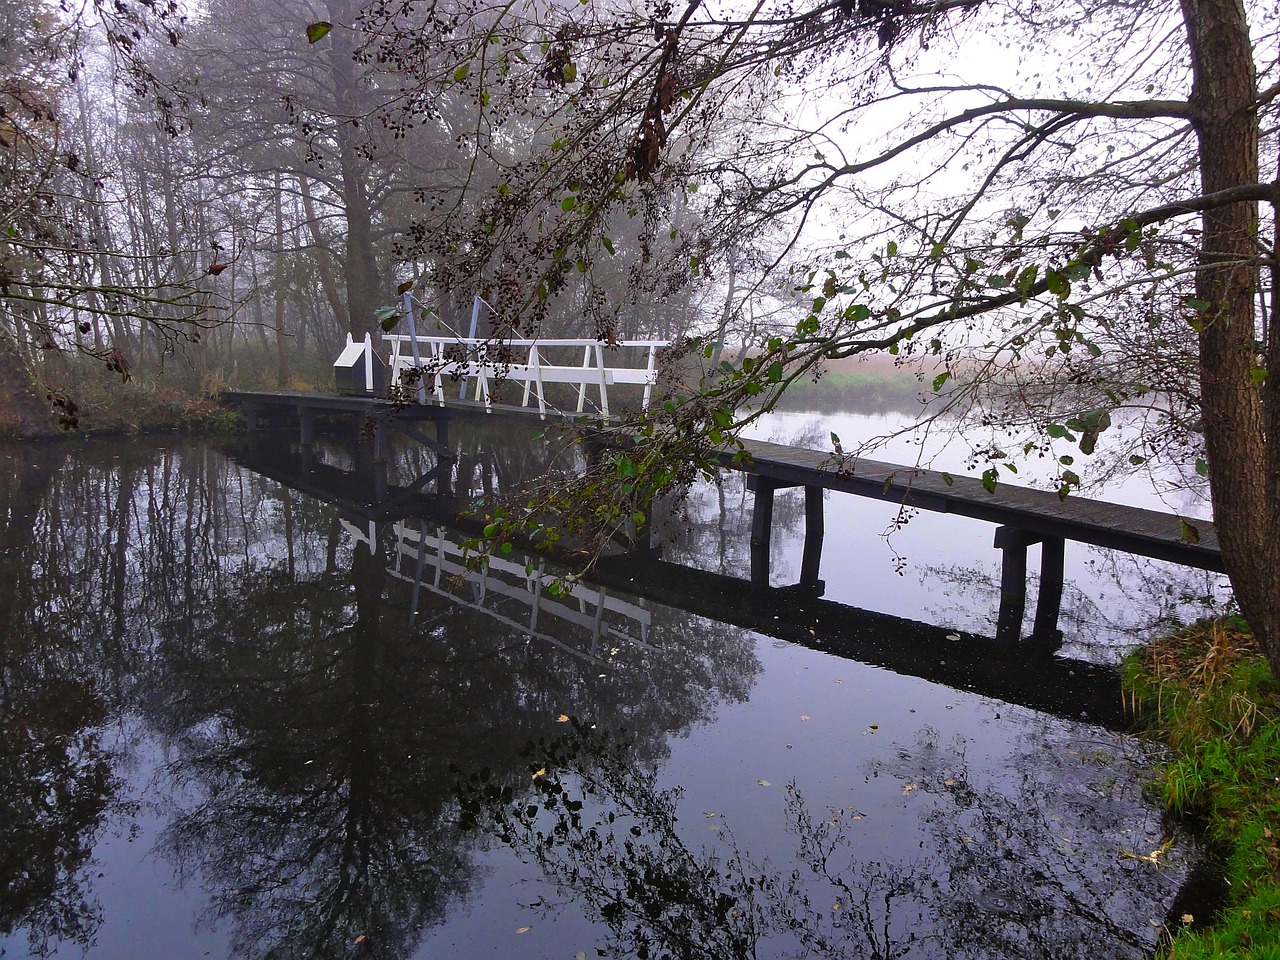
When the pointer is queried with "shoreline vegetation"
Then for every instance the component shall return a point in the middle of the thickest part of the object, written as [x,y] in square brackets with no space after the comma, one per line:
[1208,694]
[94,402]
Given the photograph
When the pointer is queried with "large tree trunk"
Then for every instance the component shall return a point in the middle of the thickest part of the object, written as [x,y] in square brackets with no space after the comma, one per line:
[360,263]
[1243,467]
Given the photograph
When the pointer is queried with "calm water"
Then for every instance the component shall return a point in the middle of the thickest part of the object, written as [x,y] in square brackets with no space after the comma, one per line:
[241,720]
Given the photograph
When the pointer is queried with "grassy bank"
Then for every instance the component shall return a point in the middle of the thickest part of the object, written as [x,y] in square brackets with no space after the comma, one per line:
[94,401]
[1210,695]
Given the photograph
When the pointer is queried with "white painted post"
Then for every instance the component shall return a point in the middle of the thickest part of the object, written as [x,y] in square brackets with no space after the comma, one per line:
[413,343]
[604,391]
[368,363]
[651,371]
[582,387]
[475,325]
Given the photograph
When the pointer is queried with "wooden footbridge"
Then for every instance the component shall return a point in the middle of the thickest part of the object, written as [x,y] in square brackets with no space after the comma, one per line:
[1023,517]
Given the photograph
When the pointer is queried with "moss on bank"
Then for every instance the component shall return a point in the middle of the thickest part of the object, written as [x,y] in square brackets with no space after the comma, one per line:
[1210,695]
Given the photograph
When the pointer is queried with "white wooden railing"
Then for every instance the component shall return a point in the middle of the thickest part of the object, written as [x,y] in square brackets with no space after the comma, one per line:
[483,362]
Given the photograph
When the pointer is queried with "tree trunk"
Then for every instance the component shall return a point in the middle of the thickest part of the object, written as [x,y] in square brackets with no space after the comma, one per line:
[1243,466]
[282,342]
[360,264]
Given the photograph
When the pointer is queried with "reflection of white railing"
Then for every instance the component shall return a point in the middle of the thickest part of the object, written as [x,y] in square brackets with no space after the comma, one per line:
[428,559]
[526,362]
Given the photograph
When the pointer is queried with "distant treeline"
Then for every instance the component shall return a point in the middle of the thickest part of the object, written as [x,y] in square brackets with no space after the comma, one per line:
[855,390]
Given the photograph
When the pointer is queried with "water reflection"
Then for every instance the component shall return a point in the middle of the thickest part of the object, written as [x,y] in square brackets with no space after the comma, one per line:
[344,711]
[57,780]
[996,876]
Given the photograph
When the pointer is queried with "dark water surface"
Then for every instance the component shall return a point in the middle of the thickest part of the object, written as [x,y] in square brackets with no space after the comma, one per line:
[243,720]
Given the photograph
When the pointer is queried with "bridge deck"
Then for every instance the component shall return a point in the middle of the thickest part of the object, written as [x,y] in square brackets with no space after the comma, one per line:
[1148,533]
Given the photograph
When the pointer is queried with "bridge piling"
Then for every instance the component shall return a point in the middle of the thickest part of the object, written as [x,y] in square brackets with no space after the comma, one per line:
[1013,543]
[762,532]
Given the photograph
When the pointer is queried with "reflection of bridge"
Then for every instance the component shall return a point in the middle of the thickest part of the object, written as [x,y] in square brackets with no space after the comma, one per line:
[429,557]
[1026,674]
[1024,516]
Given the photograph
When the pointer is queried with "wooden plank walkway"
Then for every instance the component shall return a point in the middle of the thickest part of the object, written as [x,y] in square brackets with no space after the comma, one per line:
[1147,533]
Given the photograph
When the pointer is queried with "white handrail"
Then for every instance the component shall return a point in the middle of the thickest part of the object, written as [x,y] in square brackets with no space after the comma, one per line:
[522,361]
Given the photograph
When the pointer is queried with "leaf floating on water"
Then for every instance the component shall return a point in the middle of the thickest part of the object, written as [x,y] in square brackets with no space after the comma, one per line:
[804,716]
[540,773]
[764,783]
[360,939]
[837,681]
[953,636]
[563,718]
[523,929]
[908,788]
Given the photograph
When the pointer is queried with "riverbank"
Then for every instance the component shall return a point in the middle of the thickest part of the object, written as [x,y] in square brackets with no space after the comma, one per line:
[95,402]
[1209,694]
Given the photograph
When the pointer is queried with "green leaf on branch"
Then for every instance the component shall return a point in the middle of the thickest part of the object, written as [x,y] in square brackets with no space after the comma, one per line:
[989,479]
[1189,533]
[1058,284]
[775,372]
[318,31]
[1202,467]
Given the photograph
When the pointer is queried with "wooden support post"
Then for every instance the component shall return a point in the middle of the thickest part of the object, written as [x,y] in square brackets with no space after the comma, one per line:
[761,528]
[443,485]
[811,559]
[306,425]
[381,458]
[1013,582]
[1049,602]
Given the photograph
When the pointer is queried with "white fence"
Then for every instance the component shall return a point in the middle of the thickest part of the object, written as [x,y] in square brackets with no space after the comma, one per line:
[532,364]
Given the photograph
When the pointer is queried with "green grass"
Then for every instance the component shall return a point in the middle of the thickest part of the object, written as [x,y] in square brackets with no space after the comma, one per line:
[1210,695]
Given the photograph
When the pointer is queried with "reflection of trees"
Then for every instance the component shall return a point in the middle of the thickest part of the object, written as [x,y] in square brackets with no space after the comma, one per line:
[318,724]
[998,875]
[56,779]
